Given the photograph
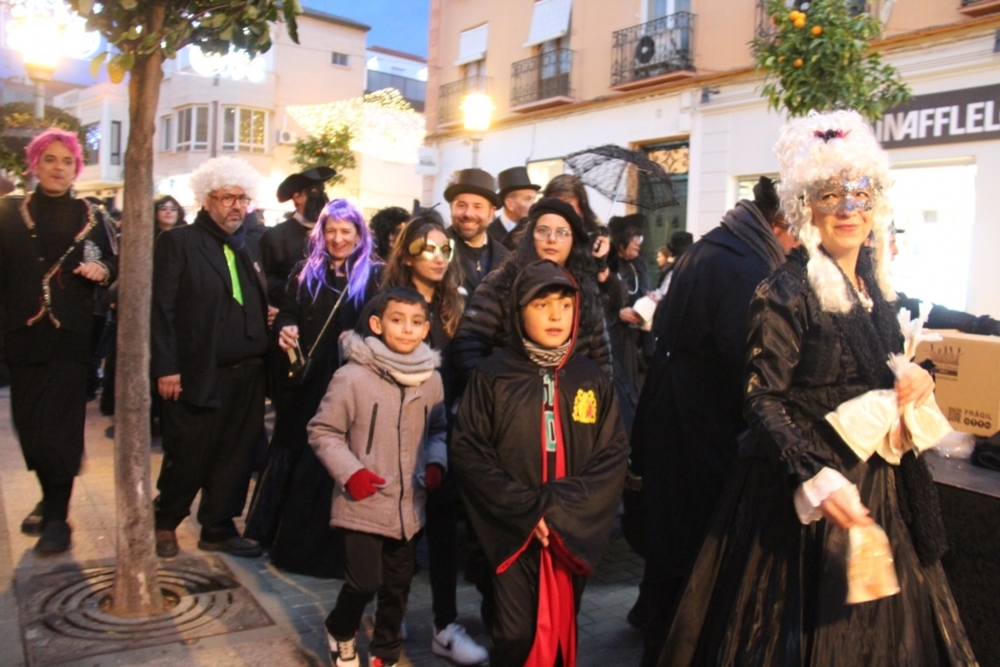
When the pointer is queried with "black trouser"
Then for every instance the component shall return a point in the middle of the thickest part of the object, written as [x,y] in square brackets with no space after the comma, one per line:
[48,406]
[664,592]
[376,565]
[515,600]
[210,450]
[442,549]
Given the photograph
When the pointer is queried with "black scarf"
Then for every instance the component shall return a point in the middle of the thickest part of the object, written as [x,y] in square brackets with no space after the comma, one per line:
[872,337]
[746,222]
[237,240]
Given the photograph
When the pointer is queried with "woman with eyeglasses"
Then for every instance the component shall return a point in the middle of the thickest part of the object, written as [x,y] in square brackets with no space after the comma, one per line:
[168,213]
[290,509]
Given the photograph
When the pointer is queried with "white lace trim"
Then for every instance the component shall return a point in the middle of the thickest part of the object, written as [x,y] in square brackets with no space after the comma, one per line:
[811,494]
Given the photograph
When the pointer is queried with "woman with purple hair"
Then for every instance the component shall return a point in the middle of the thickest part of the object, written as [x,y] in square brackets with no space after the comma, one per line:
[55,250]
[291,505]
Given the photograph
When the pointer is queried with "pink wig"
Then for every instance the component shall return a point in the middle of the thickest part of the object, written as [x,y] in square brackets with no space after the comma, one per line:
[43,140]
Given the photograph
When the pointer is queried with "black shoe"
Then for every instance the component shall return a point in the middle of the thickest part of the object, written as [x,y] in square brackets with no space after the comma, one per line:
[32,524]
[240,547]
[166,544]
[54,539]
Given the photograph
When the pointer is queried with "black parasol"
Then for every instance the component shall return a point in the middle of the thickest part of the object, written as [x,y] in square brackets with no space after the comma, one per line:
[622,175]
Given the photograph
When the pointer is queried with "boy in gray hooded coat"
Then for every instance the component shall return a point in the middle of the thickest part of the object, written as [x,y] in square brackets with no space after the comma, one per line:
[380,432]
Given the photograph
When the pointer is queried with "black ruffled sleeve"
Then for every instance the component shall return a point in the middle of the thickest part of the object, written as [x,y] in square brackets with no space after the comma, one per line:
[778,321]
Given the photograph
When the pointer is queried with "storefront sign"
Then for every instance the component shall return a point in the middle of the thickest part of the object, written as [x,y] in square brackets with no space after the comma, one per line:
[971,114]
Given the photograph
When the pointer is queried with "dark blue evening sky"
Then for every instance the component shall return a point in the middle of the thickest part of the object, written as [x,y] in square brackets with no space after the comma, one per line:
[396,24]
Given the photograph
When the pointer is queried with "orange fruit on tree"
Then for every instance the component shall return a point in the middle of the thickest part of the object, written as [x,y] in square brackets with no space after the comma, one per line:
[817,30]
[797,62]
[800,23]
[781,59]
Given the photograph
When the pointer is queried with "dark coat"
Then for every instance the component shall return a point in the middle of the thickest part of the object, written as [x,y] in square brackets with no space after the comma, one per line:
[498,232]
[191,285]
[496,453]
[690,410]
[27,279]
[281,248]
[945,318]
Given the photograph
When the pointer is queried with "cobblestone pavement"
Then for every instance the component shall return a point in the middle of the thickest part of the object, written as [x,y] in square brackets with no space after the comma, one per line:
[298,604]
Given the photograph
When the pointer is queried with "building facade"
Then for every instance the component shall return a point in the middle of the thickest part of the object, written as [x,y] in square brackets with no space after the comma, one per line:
[675,79]
[212,105]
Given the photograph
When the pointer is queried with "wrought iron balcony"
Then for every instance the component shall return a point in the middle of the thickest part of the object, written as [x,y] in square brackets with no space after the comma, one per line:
[651,52]
[450,97]
[541,80]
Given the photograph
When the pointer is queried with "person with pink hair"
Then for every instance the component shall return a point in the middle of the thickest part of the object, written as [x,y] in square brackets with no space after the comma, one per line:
[54,250]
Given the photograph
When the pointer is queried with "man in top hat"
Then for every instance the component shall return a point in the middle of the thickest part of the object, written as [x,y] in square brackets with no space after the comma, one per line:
[283,245]
[474,201]
[517,194]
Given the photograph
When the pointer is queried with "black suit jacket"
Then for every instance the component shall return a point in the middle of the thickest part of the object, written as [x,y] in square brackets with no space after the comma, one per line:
[191,284]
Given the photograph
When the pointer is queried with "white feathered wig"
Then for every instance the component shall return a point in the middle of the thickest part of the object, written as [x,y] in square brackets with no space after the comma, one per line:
[224,172]
[813,150]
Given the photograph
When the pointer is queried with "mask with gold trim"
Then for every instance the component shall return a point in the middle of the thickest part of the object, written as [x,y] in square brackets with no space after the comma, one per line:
[426,249]
[843,195]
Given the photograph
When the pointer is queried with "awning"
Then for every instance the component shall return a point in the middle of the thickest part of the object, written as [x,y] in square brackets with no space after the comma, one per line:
[549,20]
[472,45]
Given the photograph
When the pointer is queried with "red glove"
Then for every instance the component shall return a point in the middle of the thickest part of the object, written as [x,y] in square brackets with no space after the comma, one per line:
[363,483]
[433,475]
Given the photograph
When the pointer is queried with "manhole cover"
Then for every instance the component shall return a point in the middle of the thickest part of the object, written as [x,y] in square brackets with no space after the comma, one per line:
[62,620]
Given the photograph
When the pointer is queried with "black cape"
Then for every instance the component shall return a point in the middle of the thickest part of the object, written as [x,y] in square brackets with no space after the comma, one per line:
[281,248]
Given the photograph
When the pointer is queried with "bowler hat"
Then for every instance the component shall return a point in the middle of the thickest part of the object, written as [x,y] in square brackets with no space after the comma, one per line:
[303,181]
[515,178]
[473,181]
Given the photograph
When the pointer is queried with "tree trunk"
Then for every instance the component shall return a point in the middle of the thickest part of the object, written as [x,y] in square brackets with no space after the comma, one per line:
[136,590]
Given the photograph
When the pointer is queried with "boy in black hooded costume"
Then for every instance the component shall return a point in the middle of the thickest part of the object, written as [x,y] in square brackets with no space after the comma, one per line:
[541,478]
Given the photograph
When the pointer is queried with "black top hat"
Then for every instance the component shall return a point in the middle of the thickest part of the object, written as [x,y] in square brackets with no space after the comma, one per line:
[303,181]
[515,178]
[476,182]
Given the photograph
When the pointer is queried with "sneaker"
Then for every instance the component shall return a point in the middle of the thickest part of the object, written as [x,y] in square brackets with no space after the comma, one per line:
[343,654]
[166,544]
[32,524]
[54,539]
[379,662]
[240,547]
[456,645]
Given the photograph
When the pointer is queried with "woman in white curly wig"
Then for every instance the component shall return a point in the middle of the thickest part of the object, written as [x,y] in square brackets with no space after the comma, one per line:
[770,586]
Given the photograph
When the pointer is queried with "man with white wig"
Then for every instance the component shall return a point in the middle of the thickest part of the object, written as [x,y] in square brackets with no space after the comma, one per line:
[209,340]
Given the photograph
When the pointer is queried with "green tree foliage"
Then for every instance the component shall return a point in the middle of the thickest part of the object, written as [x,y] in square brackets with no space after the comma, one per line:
[214,25]
[18,126]
[821,58]
[329,149]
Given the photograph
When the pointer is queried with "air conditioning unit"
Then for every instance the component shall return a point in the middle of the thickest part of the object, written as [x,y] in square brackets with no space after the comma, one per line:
[287,137]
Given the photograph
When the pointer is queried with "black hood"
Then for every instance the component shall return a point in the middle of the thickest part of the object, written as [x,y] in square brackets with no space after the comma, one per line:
[529,282]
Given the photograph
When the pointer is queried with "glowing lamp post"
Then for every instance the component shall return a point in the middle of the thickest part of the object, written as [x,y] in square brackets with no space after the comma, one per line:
[40,47]
[477,108]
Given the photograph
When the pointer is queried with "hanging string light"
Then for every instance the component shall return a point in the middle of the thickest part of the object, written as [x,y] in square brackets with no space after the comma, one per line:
[382,123]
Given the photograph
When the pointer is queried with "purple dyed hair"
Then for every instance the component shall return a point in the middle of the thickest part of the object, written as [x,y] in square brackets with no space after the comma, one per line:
[44,140]
[359,264]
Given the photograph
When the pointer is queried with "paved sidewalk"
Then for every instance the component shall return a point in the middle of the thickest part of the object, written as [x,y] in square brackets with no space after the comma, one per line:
[296,603]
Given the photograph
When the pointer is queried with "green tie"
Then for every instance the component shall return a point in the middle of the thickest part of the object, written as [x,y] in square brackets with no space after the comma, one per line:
[231,261]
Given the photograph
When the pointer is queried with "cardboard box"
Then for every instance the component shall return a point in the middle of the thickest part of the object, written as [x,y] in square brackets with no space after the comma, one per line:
[967,373]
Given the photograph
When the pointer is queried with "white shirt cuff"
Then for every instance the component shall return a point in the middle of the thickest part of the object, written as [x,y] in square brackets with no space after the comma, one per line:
[811,493]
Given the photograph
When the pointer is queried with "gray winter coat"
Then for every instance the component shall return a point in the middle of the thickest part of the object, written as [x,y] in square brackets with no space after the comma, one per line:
[368,420]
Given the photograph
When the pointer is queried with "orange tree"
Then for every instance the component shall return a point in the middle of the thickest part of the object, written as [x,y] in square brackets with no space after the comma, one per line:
[820,57]
[142,33]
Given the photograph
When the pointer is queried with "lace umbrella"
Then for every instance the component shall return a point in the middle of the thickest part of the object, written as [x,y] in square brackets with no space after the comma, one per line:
[622,175]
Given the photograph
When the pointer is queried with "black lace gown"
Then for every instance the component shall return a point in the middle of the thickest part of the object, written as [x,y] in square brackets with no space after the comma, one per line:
[768,591]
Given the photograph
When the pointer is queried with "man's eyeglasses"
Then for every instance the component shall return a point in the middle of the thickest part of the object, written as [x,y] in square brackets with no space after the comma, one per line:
[229,200]
[562,234]
[429,250]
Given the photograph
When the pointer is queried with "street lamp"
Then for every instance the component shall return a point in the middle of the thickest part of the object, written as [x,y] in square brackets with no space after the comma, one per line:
[40,38]
[477,108]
